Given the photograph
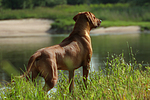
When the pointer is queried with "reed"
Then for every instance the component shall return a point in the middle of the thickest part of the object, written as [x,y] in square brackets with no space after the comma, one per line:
[118,80]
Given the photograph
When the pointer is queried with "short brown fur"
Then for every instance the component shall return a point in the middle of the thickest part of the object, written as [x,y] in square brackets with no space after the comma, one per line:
[73,52]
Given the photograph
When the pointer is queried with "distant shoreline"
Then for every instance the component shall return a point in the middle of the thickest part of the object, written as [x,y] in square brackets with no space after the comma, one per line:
[117,30]
[39,27]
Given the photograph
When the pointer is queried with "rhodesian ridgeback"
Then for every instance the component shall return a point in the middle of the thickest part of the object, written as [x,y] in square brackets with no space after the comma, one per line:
[73,52]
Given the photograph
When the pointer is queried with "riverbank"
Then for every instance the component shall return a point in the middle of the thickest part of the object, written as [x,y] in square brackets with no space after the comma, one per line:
[117,30]
[24,27]
[39,27]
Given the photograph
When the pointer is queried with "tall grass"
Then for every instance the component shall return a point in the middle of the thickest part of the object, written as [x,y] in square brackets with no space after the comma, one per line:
[119,80]
[22,90]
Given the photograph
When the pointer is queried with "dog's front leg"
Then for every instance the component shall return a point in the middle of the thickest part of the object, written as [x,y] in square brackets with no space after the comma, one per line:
[85,74]
[71,80]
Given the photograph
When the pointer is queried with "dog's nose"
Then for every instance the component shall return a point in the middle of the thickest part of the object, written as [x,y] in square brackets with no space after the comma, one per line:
[100,21]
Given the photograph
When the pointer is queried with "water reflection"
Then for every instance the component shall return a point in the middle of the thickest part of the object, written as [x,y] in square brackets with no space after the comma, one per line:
[18,50]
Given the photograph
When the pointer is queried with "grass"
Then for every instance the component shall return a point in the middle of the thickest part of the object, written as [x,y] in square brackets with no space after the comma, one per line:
[143,25]
[111,14]
[119,80]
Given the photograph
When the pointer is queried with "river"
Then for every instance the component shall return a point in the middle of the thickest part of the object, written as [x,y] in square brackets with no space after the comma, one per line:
[17,50]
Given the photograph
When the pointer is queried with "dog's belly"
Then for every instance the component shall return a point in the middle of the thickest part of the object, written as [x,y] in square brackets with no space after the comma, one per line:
[69,63]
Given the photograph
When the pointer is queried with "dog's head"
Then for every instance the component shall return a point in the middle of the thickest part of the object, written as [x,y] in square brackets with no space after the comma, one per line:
[94,22]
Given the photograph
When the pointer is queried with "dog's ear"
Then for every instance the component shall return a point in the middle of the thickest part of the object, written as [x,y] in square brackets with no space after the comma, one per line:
[76,17]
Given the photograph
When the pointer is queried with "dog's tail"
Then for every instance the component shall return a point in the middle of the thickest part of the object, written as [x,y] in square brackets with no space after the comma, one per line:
[30,64]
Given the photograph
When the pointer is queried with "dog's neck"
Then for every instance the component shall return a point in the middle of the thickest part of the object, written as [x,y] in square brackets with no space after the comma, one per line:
[82,27]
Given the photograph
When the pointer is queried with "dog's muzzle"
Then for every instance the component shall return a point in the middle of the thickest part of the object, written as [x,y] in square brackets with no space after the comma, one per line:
[99,22]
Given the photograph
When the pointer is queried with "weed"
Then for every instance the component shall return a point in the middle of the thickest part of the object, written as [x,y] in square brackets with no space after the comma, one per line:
[119,80]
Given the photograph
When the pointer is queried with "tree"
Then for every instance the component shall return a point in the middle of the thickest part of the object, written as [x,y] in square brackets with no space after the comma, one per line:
[74,2]
[0,3]
[17,4]
[39,3]
[55,2]
[140,2]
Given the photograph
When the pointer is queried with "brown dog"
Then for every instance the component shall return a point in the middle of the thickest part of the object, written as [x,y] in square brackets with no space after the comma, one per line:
[73,52]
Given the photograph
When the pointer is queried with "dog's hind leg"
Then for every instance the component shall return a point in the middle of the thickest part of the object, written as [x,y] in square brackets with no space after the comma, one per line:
[46,87]
[50,74]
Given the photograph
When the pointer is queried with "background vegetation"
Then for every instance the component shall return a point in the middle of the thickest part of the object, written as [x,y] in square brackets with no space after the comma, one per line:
[119,80]
[113,12]
[22,4]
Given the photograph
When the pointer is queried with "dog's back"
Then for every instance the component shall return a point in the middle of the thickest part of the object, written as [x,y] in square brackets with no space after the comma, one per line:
[73,52]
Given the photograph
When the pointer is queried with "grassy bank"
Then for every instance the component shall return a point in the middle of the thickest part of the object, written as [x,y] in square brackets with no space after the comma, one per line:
[119,80]
[111,14]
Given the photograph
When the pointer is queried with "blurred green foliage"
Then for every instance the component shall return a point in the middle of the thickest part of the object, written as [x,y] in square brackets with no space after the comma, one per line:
[112,15]
[0,3]
[62,11]
[22,4]
[9,68]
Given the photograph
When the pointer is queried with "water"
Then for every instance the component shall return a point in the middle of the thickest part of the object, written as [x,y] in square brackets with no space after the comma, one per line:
[16,51]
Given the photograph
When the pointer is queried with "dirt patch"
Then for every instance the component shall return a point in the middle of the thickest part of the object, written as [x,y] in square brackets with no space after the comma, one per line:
[117,30]
[25,27]
[38,27]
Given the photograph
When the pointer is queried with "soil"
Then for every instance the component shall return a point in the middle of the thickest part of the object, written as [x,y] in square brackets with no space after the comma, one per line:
[40,27]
